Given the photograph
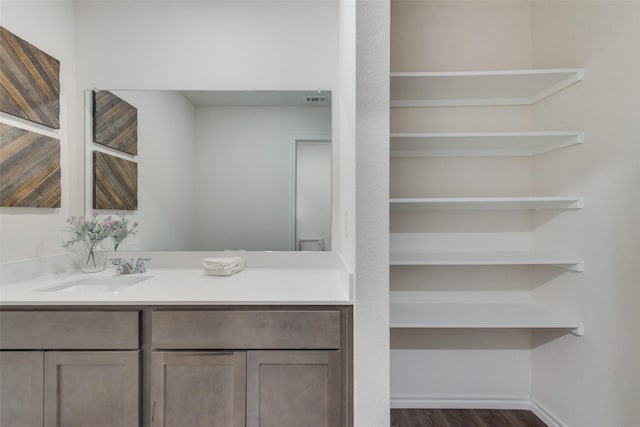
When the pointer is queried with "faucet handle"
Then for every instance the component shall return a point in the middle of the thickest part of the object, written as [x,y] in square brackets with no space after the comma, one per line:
[124,267]
[140,267]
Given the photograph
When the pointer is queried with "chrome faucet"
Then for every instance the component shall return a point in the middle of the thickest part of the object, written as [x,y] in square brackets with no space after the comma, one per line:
[127,267]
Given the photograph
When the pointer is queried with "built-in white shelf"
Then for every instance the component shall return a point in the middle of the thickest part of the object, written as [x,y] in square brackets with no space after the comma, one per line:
[480,315]
[468,88]
[486,203]
[480,144]
[485,258]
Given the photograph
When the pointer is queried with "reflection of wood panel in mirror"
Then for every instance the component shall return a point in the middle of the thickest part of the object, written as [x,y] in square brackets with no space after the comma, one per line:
[115,122]
[115,182]
[29,81]
[199,142]
[29,169]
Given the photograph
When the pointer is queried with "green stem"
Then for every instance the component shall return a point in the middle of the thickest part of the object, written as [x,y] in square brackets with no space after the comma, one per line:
[91,256]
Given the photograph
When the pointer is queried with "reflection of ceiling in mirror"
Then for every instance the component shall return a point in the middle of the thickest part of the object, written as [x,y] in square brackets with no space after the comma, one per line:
[218,169]
[226,98]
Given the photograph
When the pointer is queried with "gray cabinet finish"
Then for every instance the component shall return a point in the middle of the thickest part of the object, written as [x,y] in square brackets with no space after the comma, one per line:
[85,388]
[198,389]
[165,366]
[293,389]
[243,330]
[21,388]
[73,330]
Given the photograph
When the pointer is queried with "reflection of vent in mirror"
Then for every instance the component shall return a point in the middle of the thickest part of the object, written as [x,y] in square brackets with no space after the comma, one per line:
[216,170]
[315,99]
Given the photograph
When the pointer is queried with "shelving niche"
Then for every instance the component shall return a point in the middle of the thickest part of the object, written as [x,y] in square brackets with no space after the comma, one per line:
[481,315]
[487,258]
[457,89]
[487,203]
[482,144]
[483,88]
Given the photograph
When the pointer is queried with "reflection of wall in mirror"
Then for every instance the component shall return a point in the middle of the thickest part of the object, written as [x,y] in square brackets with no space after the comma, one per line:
[232,194]
[245,177]
[166,157]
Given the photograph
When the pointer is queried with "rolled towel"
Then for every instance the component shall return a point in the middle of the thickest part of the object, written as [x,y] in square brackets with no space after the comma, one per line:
[222,266]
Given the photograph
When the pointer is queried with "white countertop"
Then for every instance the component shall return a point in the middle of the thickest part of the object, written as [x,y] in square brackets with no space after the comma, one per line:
[177,278]
[189,286]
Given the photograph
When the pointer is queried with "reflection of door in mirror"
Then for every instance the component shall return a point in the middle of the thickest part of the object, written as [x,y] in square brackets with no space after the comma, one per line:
[216,169]
[313,195]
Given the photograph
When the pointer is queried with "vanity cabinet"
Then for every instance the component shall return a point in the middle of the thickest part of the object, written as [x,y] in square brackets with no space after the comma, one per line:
[163,366]
[71,368]
[198,389]
[283,368]
[273,388]
[69,388]
[91,388]
[293,388]
[21,388]
[246,329]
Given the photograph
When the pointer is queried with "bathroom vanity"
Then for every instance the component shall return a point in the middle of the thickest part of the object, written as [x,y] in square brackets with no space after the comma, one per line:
[245,354]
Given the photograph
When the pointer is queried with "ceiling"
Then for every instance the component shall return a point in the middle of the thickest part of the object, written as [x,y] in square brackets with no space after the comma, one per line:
[226,98]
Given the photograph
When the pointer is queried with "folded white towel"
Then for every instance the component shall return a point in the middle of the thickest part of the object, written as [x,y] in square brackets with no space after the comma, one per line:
[222,262]
[222,272]
[222,266]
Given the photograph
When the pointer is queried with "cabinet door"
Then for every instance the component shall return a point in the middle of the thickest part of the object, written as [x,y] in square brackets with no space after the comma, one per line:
[293,389]
[198,389]
[21,388]
[87,388]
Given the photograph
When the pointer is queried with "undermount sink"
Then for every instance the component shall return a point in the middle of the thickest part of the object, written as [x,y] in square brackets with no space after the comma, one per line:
[110,284]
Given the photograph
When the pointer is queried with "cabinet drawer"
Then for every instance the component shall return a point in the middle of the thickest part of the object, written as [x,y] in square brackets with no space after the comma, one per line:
[64,330]
[233,329]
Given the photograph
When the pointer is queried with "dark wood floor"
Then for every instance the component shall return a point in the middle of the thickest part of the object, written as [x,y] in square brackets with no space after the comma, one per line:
[463,418]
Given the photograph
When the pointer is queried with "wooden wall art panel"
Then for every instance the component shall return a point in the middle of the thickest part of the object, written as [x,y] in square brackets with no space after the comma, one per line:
[29,169]
[115,122]
[115,182]
[29,81]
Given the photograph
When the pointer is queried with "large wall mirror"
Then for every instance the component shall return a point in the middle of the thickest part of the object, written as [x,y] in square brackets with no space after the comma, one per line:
[214,170]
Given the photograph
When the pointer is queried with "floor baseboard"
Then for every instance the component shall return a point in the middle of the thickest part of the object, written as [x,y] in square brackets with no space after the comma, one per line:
[459,402]
[476,402]
[545,415]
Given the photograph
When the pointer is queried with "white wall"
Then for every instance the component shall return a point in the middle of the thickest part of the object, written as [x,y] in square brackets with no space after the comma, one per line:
[371,337]
[235,45]
[594,380]
[245,174]
[166,171]
[28,232]
[366,394]
[460,368]
[344,154]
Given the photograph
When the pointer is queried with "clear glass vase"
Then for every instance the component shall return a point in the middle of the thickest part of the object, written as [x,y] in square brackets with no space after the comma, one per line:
[92,261]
